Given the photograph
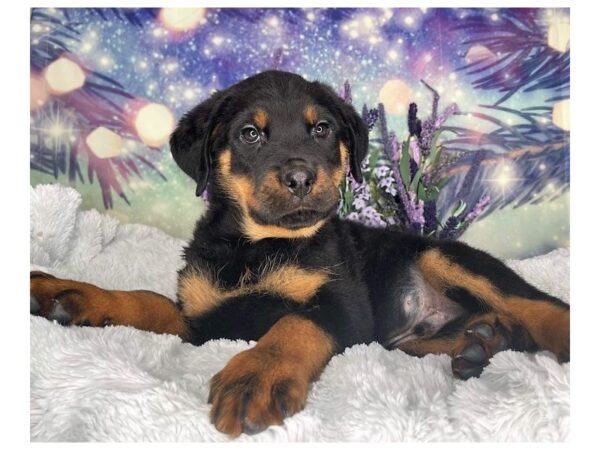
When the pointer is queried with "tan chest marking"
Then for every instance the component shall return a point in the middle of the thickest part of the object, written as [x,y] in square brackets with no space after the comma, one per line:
[200,292]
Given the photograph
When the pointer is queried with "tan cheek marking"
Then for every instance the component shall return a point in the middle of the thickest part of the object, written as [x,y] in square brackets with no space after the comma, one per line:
[323,181]
[261,119]
[241,190]
[548,324]
[340,173]
[199,292]
[272,186]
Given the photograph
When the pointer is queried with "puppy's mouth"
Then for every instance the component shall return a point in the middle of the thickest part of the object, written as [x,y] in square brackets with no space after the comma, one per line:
[300,217]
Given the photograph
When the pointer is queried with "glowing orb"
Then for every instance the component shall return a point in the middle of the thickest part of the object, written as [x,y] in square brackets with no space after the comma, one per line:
[64,75]
[182,19]
[477,53]
[104,143]
[559,34]
[561,114]
[38,93]
[154,124]
[395,96]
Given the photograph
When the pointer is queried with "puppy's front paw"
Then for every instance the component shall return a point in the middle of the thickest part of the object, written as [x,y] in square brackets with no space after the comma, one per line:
[256,389]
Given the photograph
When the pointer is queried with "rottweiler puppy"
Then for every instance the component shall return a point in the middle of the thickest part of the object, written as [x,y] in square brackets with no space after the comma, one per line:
[270,261]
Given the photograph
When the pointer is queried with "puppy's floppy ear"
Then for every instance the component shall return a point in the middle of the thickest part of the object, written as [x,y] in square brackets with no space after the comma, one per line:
[192,140]
[354,132]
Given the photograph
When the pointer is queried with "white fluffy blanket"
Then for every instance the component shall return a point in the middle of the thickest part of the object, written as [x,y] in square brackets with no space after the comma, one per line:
[121,384]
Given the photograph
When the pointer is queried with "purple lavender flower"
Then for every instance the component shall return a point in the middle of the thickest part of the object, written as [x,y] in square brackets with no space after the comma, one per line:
[414,151]
[479,208]
[383,129]
[370,217]
[394,155]
[353,216]
[394,147]
[413,168]
[385,180]
[430,216]
[372,117]
[414,124]
[427,136]
[433,122]
[413,209]
[417,215]
[450,228]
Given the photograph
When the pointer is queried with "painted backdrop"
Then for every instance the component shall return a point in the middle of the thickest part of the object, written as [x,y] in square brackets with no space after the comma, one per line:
[482,154]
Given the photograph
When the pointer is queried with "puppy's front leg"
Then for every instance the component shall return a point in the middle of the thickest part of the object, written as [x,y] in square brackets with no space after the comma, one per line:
[261,386]
[72,302]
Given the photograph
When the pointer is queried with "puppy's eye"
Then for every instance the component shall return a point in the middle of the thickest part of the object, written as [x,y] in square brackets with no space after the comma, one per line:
[321,130]
[250,135]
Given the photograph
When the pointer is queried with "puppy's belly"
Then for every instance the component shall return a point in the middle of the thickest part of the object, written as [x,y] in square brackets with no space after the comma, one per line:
[424,312]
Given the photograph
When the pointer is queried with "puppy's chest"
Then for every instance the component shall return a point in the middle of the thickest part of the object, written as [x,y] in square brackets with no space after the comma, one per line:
[204,287]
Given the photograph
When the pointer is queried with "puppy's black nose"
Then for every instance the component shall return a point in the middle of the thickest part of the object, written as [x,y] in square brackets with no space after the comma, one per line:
[299,180]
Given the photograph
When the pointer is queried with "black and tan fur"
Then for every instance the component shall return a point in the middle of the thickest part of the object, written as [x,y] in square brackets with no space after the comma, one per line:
[270,261]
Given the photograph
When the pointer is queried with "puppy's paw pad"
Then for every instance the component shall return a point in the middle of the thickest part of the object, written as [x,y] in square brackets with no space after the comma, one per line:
[483,330]
[481,341]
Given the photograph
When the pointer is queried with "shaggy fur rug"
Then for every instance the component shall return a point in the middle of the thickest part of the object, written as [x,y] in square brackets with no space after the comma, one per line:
[122,384]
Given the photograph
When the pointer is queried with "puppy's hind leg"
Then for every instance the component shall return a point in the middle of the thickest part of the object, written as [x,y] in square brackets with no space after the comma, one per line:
[461,272]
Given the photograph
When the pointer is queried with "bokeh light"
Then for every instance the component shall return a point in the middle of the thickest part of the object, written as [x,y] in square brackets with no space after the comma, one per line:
[154,123]
[559,32]
[104,143]
[182,19]
[64,75]
[395,96]
[561,114]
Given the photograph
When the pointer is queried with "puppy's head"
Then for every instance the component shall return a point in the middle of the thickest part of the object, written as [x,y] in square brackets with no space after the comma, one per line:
[275,145]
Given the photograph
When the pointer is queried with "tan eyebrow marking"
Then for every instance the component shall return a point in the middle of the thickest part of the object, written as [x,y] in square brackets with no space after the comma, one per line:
[310,114]
[261,118]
